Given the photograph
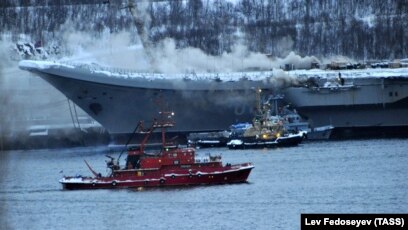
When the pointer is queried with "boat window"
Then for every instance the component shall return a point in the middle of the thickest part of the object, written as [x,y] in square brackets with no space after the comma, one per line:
[396,94]
[176,162]
[133,162]
[390,94]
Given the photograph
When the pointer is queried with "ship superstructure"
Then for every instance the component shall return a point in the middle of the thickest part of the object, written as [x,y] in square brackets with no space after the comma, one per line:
[357,103]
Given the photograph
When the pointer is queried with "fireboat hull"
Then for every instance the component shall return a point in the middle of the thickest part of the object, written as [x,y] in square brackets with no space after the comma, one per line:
[227,175]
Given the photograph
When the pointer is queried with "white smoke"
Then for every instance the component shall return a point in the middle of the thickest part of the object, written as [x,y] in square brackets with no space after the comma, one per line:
[338,59]
[169,59]
[113,50]
[117,50]
[296,60]
[8,77]
[24,97]
[284,46]
[142,19]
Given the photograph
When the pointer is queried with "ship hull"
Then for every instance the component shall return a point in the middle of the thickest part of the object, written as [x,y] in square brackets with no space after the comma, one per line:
[254,143]
[228,175]
[119,108]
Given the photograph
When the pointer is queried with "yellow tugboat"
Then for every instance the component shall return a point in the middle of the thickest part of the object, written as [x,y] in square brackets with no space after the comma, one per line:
[267,130]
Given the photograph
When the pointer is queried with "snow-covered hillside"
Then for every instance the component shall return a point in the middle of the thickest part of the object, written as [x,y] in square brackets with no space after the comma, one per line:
[368,29]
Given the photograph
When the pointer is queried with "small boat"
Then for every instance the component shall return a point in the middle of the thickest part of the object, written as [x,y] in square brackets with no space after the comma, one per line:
[208,139]
[170,166]
[294,123]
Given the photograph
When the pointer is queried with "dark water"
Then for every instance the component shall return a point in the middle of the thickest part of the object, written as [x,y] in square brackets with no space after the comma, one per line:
[344,177]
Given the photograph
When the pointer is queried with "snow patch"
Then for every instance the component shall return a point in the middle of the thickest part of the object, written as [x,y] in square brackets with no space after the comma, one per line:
[41,65]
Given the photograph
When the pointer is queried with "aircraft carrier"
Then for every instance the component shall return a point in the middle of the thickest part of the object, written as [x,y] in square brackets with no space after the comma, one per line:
[368,100]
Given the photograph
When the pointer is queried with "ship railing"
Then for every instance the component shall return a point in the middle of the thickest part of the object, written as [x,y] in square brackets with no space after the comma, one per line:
[207,159]
[202,159]
[97,67]
[138,170]
[189,75]
[345,87]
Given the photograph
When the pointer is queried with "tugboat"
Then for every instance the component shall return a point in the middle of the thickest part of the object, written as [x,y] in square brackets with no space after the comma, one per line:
[170,166]
[266,131]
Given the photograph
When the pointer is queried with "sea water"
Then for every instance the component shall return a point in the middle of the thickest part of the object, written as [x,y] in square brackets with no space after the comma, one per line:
[356,176]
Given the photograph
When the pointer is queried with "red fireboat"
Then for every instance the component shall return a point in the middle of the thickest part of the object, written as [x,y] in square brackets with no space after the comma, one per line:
[170,166]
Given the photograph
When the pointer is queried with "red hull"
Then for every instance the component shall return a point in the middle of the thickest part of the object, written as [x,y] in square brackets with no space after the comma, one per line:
[159,178]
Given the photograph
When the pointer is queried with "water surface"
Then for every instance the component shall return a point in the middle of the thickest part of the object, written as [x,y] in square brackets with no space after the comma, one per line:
[318,177]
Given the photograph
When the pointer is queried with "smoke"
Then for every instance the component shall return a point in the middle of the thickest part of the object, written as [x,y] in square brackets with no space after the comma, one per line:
[296,60]
[119,49]
[6,70]
[169,59]
[284,46]
[14,84]
[281,79]
[25,98]
[3,130]
[142,21]
[338,59]
[115,50]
